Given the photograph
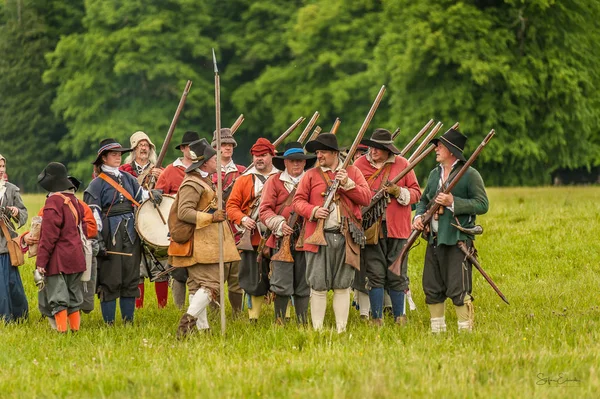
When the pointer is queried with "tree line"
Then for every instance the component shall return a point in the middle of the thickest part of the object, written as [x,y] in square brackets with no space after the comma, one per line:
[75,72]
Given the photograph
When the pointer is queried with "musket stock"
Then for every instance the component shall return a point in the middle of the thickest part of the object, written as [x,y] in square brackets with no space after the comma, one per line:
[410,145]
[336,126]
[308,128]
[238,122]
[285,250]
[471,257]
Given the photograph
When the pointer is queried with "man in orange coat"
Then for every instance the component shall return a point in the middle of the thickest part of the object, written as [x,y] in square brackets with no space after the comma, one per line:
[327,267]
[242,210]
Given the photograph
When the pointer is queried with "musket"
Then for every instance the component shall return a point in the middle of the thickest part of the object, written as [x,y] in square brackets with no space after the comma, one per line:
[219,192]
[416,138]
[165,146]
[315,133]
[237,124]
[396,133]
[285,248]
[428,138]
[308,128]
[433,209]
[375,209]
[471,257]
[318,237]
[336,126]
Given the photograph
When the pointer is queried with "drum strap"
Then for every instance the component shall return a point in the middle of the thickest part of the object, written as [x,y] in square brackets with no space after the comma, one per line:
[119,188]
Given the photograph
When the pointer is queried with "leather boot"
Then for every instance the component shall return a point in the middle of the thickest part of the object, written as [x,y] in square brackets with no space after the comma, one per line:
[187,325]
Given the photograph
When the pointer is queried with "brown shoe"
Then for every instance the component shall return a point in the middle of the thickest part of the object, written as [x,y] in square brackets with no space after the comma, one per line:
[279,322]
[187,325]
[377,322]
[401,320]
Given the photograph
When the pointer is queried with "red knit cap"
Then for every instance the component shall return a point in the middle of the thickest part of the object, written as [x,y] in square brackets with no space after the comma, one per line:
[262,146]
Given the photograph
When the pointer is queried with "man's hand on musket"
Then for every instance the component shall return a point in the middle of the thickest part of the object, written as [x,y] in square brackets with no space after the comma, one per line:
[286,229]
[342,176]
[444,199]
[321,213]
[248,223]
[418,223]
[156,172]
[14,211]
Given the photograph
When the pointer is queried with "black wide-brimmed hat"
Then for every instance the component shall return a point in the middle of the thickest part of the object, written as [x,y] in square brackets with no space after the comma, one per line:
[324,141]
[455,142]
[294,150]
[109,145]
[382,139]
[188,137]
[76,182]
[200,151]
[54,178]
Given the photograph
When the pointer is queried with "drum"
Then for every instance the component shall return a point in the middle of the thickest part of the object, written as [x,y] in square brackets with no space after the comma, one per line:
[151,228]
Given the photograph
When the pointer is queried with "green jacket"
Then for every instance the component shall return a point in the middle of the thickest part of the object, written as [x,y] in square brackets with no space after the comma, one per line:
[470,199]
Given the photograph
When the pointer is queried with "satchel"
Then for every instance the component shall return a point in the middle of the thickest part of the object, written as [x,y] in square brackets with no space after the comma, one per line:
[14,247]
[372,233]
[177,249]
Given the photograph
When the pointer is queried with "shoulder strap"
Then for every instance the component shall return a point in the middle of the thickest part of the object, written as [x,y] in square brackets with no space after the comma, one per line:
[287,202]
[386,172]
[262,178]
[71,206]
[119,188]
[5,230]
[326,178]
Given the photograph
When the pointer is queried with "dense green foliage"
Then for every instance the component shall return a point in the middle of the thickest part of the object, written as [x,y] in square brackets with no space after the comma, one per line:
[73,72]
[551,328]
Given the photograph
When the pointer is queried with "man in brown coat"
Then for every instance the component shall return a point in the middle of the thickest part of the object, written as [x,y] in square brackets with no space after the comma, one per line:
[195,209]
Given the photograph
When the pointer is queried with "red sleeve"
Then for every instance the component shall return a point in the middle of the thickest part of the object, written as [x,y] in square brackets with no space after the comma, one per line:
[127,168]
[91,227]
[52,223]
[301,203]
[268,202]
[236,199]
[360,194]
[163,182]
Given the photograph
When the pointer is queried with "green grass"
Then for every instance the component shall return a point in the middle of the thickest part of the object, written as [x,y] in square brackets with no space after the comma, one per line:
[540,246]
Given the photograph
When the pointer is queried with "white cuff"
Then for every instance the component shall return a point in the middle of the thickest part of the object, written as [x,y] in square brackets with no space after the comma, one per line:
[404,197]
[349,185]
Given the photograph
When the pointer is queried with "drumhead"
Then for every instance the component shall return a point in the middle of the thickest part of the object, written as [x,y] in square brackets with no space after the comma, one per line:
[150,226]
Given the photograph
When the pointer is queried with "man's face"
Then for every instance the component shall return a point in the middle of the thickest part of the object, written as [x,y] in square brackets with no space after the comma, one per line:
[263,162]
[326,158]
[185,149]
[226,150]
[443,154]
[358,154]
[294,167]
[112,159]
[378,155]
[210,166]
[142,151]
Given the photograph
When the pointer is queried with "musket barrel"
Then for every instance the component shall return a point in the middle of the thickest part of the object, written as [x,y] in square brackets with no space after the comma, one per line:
[410,145]
[238,122]
[308,128]
[424,143]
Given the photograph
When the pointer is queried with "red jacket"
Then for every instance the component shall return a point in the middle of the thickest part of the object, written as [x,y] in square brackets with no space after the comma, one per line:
[170,179]
[398,217]
[308,197]
[229,177]
[60,249]
[274,194]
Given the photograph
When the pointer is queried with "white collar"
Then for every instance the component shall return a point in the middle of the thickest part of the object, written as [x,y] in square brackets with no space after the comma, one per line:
[254,171]
[111,170]
[338,167]
[391,159]
[179,162]
[286,177]
[230,167]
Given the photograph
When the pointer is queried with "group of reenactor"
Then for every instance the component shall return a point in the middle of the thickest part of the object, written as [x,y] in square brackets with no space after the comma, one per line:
[281,243]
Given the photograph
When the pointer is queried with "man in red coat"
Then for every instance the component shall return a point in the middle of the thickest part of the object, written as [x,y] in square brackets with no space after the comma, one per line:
[380,165]
[329,267]
[242,210]
[60,254]
[169,181]
[287,278]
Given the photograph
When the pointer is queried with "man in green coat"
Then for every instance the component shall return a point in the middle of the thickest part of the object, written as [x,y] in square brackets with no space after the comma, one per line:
[447,274]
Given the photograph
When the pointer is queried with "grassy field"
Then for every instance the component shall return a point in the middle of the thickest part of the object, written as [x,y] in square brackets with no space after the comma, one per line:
[540,246]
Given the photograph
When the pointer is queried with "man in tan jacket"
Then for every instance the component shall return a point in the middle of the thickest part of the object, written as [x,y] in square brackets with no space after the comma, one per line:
[195,210]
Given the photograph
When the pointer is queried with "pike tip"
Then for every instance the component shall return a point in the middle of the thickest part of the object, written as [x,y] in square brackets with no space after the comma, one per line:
[215,61]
